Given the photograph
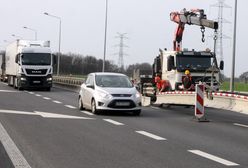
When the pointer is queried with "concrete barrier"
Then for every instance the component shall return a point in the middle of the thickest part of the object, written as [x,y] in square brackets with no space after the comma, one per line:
[233,102]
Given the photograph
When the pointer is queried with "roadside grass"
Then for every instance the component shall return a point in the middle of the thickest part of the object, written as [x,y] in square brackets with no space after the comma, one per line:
[238,86]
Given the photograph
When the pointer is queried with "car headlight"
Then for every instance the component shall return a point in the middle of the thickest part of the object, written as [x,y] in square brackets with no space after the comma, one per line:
[104,95]
[137,95]
[23,79]
[49,79]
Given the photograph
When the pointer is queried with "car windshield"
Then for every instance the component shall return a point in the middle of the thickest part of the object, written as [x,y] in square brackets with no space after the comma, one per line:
[36,59]
[115,81]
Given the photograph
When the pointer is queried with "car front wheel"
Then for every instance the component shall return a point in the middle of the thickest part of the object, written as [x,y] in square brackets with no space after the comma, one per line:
[80,103]
[136,112]
[93,107]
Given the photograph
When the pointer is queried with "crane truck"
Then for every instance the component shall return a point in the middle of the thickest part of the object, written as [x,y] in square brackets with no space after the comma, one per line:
[171,65]
[29,64]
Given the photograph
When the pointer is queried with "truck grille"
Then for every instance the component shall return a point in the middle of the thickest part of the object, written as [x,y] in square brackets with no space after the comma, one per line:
[36,71]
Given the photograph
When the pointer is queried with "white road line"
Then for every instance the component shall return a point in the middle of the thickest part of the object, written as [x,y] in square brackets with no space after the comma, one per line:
[11,149]
[157,108]
[58,102]
[31,92]
[241,125]
[69,106]
[8,91]
[46,98]
[38,95]
[214,158]
[151,135]
[86,112]
[113,122]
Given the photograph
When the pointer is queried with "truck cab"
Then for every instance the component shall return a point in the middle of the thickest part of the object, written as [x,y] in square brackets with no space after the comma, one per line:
[29,64]
[171,66]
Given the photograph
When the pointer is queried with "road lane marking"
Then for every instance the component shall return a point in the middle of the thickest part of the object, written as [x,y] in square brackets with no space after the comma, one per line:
[47,98]
[58,102]
[113,122]
[54,115]
[151,135]
[157,108]
[44,114]
[38,95]
[69,106]
[31,92]
[17,112]
[241,125]
[9,91]
[213,158]
[86,112]
[11,149]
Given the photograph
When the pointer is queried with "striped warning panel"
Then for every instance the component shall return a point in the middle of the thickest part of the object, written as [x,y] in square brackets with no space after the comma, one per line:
[199,103]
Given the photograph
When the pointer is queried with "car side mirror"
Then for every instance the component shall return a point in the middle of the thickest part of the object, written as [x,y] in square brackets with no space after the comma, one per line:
[54,59]
[170,63]
[221,65]
[90,86]
[17,59]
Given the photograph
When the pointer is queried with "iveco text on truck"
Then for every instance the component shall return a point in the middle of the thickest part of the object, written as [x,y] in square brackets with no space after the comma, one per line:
[29,64]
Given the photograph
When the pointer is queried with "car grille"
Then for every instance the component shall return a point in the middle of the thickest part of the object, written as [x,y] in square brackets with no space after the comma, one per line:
[36,71]
[123,104]
[121,95]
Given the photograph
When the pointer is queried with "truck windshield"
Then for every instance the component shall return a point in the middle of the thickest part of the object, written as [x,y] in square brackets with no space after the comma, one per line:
[193,62]
[36,59]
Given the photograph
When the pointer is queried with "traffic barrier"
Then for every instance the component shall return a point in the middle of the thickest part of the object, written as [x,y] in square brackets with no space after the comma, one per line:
[227,101]
[199,102]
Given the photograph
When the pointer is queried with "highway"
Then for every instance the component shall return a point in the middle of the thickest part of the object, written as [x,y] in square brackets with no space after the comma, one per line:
[51,132]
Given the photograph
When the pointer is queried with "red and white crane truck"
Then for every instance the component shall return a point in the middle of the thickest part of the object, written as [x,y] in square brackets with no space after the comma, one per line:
[171,65]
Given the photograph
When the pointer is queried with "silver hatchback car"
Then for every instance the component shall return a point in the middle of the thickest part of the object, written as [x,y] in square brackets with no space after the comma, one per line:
[109,91]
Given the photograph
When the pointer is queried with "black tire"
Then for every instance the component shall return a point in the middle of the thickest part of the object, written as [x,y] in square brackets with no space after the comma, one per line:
[93,107]
[136,112]
[80,103]
[48,89]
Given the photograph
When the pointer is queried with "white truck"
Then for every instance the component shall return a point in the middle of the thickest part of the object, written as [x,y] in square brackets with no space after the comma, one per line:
[29,64]
[202,65]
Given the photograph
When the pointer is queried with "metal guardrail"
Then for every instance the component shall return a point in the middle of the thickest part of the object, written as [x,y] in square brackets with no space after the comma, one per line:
[65,80]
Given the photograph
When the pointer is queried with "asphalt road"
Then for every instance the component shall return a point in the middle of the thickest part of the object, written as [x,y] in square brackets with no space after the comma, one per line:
[51,132]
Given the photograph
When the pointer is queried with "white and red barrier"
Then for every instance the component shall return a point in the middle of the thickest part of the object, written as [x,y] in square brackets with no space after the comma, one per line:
[227,101]
[199,101]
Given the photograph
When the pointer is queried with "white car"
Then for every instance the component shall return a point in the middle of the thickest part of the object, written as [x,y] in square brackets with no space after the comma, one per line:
[109,91]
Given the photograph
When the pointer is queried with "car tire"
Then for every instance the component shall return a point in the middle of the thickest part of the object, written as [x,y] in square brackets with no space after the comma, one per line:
[136,112]
[93,107]
[80,103]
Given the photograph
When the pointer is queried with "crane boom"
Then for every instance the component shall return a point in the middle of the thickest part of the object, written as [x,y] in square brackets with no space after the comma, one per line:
[193,17]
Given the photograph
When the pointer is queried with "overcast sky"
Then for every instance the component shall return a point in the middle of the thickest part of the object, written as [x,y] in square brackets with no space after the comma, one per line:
[146,23]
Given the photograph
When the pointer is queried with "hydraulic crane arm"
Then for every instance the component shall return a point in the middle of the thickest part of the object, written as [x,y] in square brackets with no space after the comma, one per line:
[193,17]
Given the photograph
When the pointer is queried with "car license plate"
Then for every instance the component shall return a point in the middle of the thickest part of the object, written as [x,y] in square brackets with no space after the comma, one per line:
[36,81]
[122,103]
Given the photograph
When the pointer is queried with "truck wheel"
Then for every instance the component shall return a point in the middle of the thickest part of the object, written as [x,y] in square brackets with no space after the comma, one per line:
[15,82]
